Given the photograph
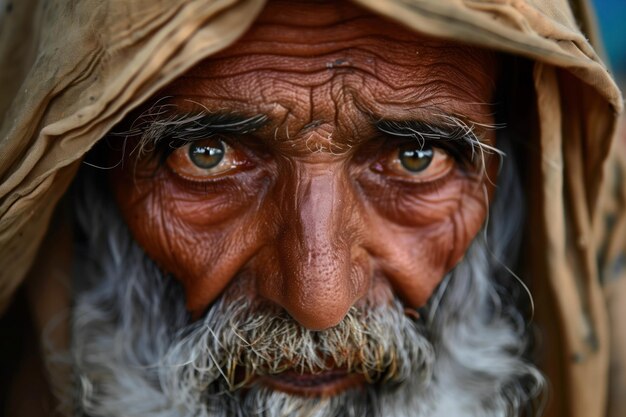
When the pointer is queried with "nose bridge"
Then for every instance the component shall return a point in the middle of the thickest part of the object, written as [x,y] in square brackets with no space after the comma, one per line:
[314,251]
[319,211]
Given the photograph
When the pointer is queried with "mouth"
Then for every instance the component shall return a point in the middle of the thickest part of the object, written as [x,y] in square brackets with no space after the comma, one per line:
[323,384]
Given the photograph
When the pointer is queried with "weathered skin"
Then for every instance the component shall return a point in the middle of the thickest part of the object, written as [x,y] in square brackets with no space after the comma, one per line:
[318,214]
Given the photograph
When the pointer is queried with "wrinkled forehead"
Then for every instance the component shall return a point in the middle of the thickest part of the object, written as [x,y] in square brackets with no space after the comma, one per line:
[311,62]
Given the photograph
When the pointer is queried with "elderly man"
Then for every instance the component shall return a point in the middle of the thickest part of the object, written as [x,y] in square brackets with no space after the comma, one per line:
[315,209]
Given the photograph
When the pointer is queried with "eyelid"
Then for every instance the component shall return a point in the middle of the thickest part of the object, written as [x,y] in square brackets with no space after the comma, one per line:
[390,166]
[461,150]
[453,133]
[180,163]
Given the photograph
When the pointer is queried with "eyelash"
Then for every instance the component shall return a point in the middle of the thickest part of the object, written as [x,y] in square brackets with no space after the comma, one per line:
[460,149]
[165,147]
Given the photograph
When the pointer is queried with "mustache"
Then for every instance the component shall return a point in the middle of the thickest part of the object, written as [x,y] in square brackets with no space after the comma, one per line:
[239,340]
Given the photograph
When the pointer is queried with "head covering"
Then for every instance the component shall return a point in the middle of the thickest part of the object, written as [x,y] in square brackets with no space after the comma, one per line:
[69,71]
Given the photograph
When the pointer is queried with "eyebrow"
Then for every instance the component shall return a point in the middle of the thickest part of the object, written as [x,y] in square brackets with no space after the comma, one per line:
[449,128]
[194,126]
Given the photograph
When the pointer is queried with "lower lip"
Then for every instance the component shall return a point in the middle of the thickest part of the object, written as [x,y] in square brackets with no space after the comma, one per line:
[324,384]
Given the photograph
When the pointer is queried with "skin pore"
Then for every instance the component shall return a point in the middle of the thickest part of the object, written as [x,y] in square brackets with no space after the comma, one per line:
[336,172]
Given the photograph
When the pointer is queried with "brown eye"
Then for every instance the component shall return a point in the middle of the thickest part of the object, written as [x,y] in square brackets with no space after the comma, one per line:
[416,160]
[416,163]
[205,159]
[207,155]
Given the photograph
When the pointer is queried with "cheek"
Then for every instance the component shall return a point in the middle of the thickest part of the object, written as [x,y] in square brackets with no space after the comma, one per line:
[466,221]
[195,235]
[419,237]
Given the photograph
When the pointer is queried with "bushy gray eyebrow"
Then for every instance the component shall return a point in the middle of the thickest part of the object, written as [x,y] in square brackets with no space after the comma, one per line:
[165,126]
[447,130]
[200,125]
[425,131]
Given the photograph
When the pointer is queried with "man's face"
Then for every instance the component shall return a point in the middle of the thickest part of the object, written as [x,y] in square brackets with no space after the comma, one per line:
[327,160]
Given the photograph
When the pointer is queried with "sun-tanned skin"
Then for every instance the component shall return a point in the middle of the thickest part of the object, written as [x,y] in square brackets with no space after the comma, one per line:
[314,211]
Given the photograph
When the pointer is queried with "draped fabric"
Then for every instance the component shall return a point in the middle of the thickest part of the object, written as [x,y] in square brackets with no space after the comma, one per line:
[70,70]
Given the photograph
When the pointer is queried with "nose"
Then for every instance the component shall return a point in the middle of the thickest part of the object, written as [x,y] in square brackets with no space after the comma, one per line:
[318,278]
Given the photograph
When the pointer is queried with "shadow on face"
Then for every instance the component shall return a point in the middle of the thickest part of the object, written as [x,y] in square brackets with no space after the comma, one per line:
[328,158]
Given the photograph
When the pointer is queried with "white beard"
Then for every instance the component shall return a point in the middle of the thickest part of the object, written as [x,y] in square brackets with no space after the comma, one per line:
[135,352]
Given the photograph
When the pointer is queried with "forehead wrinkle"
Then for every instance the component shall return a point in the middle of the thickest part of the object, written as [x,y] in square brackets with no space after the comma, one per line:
[347,57]
[428,114]
[280,92]
[321,131]
[369,42]
[351,124]
[316,21]
[400,73]
[424,104]
[436,97]
[429,82]
[318,140]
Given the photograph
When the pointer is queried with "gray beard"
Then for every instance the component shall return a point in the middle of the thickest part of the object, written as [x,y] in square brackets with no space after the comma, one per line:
[135,351]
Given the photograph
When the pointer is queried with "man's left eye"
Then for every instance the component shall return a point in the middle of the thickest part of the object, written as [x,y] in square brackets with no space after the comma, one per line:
[416,160]
[417,163]
[203,159]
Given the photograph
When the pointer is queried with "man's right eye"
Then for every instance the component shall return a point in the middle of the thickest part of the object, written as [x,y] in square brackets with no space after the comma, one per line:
[205,159]
[207,155]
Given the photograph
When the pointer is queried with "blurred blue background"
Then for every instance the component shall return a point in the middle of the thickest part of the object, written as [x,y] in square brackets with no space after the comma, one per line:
[612,21]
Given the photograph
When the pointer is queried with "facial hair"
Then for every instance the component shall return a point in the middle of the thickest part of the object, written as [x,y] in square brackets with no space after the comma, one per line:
[135,351]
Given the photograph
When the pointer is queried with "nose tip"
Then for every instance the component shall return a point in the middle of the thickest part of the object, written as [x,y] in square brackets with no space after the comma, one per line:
[318,317]
[317,281]
[318,322]
[319,290]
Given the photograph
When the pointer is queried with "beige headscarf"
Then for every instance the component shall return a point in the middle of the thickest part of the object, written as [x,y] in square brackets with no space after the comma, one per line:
[70,70]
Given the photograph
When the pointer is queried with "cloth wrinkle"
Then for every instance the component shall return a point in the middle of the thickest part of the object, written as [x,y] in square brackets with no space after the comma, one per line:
[86,66]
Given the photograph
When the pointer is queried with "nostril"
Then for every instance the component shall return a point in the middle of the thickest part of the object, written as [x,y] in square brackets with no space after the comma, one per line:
[319,291]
